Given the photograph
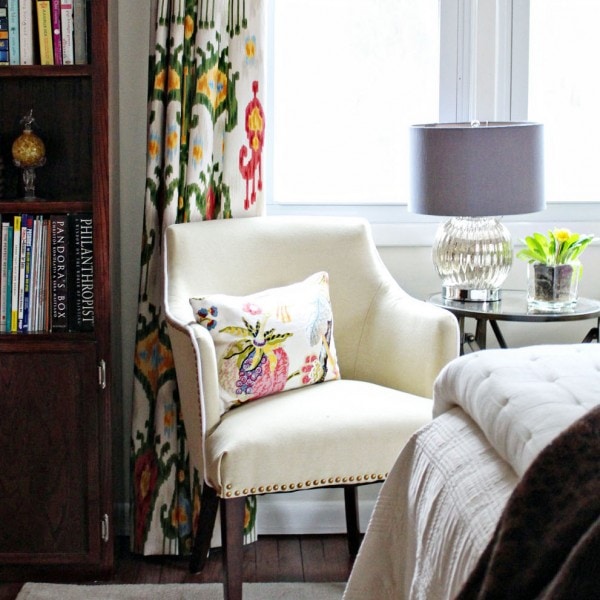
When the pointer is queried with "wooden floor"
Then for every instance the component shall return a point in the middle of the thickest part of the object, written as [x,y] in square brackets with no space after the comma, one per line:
[271,558]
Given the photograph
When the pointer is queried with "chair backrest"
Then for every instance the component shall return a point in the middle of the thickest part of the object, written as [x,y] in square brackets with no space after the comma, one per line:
[246,255]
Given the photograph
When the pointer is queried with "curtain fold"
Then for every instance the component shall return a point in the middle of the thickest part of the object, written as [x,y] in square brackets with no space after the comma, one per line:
[204,161]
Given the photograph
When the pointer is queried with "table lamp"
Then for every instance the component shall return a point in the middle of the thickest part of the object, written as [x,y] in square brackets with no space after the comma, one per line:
[475,173]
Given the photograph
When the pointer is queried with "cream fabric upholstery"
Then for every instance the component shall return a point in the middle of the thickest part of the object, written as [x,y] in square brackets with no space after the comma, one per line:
[390,348]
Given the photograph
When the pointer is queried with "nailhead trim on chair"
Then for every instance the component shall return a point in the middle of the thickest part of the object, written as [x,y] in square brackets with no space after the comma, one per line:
[262,489]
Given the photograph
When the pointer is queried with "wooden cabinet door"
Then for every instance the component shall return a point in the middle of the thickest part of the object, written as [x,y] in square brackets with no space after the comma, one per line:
[50,472]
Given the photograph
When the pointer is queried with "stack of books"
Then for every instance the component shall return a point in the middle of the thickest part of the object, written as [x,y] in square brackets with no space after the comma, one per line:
[46,32]
[46,273]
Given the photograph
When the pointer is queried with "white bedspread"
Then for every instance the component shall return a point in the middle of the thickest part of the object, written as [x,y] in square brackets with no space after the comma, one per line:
[495,411]
[523,398]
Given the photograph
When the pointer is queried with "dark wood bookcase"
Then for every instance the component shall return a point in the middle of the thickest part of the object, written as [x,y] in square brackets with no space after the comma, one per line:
[56,517]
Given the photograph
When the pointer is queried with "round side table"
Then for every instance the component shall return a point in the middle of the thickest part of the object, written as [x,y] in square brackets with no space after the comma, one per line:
[511,307]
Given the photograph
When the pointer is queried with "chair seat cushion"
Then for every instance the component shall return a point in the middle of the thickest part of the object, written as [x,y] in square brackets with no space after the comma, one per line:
[274,340]
[338,432]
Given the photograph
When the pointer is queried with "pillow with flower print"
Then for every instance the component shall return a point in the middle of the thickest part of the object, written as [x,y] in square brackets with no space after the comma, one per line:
[274,340]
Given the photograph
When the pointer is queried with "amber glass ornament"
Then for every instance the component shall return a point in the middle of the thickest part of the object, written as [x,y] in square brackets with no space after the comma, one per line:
[29,153]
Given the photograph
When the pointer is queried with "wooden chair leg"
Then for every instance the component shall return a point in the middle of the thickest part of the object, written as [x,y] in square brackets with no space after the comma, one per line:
[352,519]
[232,533]
[209,503]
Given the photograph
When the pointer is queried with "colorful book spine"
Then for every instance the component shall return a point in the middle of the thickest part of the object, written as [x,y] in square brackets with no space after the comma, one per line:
[80,31]
[73,307]
[59,233]
[21,269]
[4,41]
[46,278]
[34,286]
[56,31]
[3,274]
[9,263]
[81,273]
[13,32]
[66,23]
[44,23]
[26,44]
[25,314]
[85,291]
[14,311]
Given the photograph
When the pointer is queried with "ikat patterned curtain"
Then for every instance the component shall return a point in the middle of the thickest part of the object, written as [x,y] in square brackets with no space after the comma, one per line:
[205,141]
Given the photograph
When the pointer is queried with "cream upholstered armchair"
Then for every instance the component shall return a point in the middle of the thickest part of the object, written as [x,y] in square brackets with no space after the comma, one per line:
[379,355]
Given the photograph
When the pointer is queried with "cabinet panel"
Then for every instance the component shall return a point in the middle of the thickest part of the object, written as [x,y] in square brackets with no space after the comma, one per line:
[49,477]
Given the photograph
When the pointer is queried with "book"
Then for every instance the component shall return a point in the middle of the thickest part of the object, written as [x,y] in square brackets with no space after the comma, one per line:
[81,275]
[80,32]
[4,47]
[14,311]
[3,274]
[9,262]
[27,239]
[66,23]
[20,266]
[85,277]
[13,32]
[26,44]
[44,26]
[46,280]
[56,31]
[34,286]
[59,245]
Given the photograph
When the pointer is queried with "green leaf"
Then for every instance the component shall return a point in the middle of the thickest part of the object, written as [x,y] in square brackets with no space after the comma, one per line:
[236,331]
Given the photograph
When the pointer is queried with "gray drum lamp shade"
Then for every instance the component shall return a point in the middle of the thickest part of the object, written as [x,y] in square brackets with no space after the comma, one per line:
[487,169]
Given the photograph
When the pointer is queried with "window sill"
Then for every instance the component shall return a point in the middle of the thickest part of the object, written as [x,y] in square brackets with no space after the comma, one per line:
[393,225]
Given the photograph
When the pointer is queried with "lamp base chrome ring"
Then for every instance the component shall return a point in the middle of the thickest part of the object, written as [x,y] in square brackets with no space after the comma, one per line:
[456,293]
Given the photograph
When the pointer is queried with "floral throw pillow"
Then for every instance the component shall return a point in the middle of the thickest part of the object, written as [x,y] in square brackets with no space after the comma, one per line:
[271,341]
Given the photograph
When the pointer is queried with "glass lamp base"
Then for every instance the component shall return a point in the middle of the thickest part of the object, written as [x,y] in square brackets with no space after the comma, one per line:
[455,293]
[472,256]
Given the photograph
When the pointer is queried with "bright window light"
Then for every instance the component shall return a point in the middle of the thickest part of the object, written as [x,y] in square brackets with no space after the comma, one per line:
[349,77]
[564,94]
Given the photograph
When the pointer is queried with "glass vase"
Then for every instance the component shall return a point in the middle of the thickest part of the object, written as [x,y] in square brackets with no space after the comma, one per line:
[552,288]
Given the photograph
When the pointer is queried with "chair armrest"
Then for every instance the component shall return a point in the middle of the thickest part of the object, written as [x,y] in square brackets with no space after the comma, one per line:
[197,376]
[406,342]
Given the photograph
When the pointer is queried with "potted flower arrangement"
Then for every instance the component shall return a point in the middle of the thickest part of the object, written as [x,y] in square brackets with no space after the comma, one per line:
[554,268]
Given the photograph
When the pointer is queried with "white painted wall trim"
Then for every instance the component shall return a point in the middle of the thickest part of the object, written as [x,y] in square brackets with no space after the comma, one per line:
[319,512]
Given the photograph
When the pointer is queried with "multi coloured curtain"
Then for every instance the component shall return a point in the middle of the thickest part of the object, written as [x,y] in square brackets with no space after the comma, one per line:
[205,143]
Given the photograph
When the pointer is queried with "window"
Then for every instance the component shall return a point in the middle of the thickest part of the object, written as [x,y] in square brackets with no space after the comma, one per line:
[340,115]
[349,77]
[564,94]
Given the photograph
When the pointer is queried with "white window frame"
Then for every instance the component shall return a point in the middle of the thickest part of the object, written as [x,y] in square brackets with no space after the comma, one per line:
[483,75]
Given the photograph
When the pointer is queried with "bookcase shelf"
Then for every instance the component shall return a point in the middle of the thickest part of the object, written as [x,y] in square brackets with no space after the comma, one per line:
[45,71]
[44,207]
[55,400]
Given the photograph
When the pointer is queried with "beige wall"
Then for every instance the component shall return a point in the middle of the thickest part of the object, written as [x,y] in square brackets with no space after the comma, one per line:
[410,265]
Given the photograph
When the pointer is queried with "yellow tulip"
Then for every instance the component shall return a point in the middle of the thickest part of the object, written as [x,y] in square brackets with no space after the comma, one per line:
[562,235]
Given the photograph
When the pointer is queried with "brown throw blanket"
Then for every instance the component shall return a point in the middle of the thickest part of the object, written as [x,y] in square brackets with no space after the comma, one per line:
[546,545]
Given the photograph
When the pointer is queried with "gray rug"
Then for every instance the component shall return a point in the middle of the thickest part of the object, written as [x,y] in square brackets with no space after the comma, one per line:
[191,591]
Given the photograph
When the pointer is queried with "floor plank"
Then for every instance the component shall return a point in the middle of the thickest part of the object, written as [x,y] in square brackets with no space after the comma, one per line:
[270,558]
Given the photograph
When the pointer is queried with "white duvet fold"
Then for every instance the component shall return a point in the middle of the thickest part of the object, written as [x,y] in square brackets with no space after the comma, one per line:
[522,398]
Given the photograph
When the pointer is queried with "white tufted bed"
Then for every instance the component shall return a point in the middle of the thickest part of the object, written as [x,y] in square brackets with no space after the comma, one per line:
[494,410]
